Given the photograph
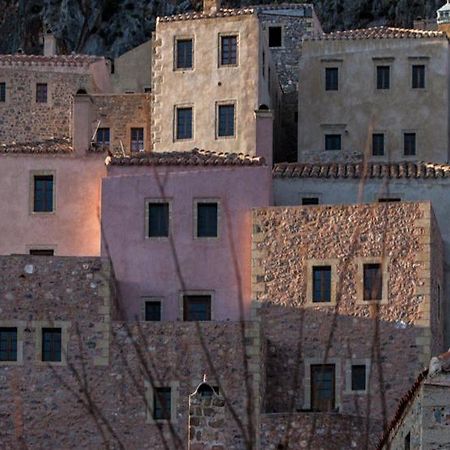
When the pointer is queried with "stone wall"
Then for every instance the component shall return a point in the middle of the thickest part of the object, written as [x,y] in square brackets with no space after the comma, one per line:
[394,340]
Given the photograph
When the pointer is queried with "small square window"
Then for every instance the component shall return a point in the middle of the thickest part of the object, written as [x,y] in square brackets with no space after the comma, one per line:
[358,377]
[207,219]
[196,307]
[228,50]
[42,252]
[332,142]
[153,311]
[8,344]
[373,282]
[418,76]
[310,201]
[162,399]
[184,54]
[137,139]
[378,144]
[275,36]
[409,144]
[2,92]
[383,77]
[43,193]
[158,219]
[331,78]
[103,137]
[183,123]
[51,344]
[321,284]
[226,120]
[41,93]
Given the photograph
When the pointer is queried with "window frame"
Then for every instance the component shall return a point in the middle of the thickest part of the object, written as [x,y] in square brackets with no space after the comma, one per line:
[42,173]
[199,201]
[334,385]
[39,326]
[348,375]
[378,133]
[333,135]
[332,87]
[197,293]
[384,262]
[220,105]
[3,92]
[19,325]
[149,400]
[102,145]
[333,263]
[36,251]
[11,343]
[147,299]
[131,129]
[409,133]
[37,98]
[175,122]
[380,82]
[148,202]
[416,65]
[222,36]
[183,38]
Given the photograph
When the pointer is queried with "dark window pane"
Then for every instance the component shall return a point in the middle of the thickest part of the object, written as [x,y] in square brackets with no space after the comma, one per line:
[418,76]
[409,144]
[153,311]
[322,387]
[41,93]
[372,282]
[51,344]
[322,284]
[184,54]
[184,123]
[103,137]
[42,252]
[197,307]
[310,201]
[378,144]
[162,403]
[207,219]
[331,79]
[8,344]
[137,139]
[158,219]
[359,378]
[332,142]
[2,92]
[226,120]
[389,199]
[43,193]
[228,50]
[383,77]
[275,36]
[408,442]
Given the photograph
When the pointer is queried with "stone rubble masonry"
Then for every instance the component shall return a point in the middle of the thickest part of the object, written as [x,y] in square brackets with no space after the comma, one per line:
[403,236]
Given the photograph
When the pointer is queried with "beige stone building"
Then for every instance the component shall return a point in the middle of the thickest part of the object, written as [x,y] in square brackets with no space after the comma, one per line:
[379,93]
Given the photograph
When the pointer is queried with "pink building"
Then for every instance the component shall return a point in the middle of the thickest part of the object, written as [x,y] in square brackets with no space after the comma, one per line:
[177,227]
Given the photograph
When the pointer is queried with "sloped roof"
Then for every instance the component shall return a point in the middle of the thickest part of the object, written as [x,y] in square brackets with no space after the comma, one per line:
[194,15]
[194,157]
[53,60]
[51,146]
[361,170]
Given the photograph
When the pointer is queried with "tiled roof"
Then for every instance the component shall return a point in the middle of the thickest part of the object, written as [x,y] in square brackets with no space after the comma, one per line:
[54,60]
[194,157]
[380,33]
[361,170]
[40,147]
[207,15]
[283,6]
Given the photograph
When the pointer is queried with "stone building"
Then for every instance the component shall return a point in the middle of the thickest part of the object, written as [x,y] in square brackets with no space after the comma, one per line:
[370,93]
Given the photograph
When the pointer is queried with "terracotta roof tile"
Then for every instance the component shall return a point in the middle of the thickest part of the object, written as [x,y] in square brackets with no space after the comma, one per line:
[40,147]
[54,60]
[360,170]
[379,33]
[208,15]
[194,157]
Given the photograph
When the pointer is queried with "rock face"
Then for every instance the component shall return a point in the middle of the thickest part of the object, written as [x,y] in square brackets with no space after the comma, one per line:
[111,27]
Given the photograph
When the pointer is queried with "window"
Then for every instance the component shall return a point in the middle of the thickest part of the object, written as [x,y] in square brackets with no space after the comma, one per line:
[275,36]
[310,201]
[41,93]
[358,377]
[8,344]
[51,344]
[408,442]
[418,76]
[263,66]
[409,144]
[332,142]
[378,144]
[184,123]
[322,387]
[43,193]
[226,120]
[158,219]
[162,399]
[383,77]
[152,310]
[389,199]
[137,139]
[321,284]
[228,50]
[42,252]
[207,219]
[373,281]
[196,307]
[103,137]
[2,92]
[184,54]
[331,78]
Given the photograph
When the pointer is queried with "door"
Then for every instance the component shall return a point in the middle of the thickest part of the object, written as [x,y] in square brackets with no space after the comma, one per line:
[323,383]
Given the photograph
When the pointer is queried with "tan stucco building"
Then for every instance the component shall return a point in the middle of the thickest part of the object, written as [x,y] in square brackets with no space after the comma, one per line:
[373,93]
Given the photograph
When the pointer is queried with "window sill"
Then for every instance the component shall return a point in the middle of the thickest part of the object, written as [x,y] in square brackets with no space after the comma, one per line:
[43,213]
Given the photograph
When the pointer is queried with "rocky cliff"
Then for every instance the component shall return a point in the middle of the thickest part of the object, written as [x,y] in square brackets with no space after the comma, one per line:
[111,27]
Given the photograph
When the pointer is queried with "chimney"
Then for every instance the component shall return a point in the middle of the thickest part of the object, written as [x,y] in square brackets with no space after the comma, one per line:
[211,6]
[49,43]
[264,133]
[82,124]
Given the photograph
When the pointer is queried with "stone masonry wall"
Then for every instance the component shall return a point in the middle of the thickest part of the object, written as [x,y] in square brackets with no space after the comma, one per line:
[394,343]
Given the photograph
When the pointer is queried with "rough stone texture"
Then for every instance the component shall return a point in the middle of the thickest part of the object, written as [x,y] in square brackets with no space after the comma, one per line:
[284,239]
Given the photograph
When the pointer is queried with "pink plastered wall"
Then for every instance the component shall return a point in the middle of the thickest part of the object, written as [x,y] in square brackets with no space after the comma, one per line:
[148,267]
